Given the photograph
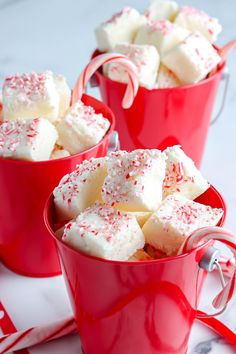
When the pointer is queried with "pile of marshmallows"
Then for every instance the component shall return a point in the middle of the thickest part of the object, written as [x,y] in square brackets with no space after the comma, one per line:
[38,123]
[170,46]
[133,205]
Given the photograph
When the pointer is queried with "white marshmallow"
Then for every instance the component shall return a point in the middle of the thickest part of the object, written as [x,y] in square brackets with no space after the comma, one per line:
[162,10]
[196,20]
[145,57]
[192,59]
[175,220]
[166,78]
[122,27]
[164,35]
[35,95]
[64,93]
[31,139]
[59,153]
[182,176]
[81,128]
[80,189]
[134,181]
[104,232]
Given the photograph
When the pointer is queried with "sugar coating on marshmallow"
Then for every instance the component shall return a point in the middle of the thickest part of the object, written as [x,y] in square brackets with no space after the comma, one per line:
[104,232]
[80,189]
[164,35]
[166,78]
[196,20]
[162,10]
[34,95]
[81,128]
[134,181]
[121,27]
[182,176]
[31,139]
[175,220]
[59,152]
[192,59]
[146,59]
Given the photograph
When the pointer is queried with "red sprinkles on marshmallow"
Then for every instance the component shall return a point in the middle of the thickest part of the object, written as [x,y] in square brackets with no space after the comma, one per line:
[175,220]
[105,232]
[134,181]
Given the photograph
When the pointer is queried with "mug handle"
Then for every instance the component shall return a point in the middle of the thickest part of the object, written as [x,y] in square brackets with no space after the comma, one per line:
[210,261]
[225,80]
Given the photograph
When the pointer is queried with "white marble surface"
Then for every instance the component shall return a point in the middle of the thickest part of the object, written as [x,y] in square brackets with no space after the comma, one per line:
[58,35]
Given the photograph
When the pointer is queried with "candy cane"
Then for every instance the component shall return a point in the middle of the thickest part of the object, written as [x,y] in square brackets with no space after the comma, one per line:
[95,63]
[36,335]
[223,53]
[218,234]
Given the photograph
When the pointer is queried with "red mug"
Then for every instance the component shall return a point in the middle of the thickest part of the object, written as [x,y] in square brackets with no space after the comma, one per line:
[133,307]
[160,118]
[25,245]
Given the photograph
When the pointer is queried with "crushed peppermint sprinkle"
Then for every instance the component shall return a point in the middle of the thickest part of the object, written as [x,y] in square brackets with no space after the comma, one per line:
[30,84]
[86,115]
[15,132]
[116,16]
[193,11]
[187,215]
[125,172]
[164,26]
[71,184]
[111,222]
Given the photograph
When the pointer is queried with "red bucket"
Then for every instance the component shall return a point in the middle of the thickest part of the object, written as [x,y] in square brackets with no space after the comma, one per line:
[160,118]
[25,245]
[133,307]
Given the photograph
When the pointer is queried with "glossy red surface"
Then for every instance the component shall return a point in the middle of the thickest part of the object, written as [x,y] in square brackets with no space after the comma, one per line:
[160,118]
[25,245]
[133,307]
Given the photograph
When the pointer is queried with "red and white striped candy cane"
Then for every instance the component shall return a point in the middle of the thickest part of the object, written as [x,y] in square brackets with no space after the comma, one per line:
[226,237]
[96,63]
[36,335]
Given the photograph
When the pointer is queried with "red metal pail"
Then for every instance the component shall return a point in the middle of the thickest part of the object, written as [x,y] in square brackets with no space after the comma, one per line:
[25,245]
[160,118]
[133,307]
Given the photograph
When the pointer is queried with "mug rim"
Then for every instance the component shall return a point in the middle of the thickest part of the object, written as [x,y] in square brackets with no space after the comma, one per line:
[95,258]
[79,154]
[99,74]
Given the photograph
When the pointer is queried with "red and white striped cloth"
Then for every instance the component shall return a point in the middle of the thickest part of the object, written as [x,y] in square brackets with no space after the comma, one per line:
[96,63]
[226,237]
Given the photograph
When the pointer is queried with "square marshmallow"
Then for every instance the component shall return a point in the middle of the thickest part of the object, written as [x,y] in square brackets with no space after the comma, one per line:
[31,139]
[164,35]
[145,57]
[175,220]
[196,20]
[122,27]
[166,78]
[35,95]
[182,176]
[81,128]
[192,59]
[80,189]
[162,10]
[58,153]
[134,181]
[104,232]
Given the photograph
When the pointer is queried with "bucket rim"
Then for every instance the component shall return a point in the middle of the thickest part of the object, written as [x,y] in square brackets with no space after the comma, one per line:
[68,158]
[219,71]
[125,263]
